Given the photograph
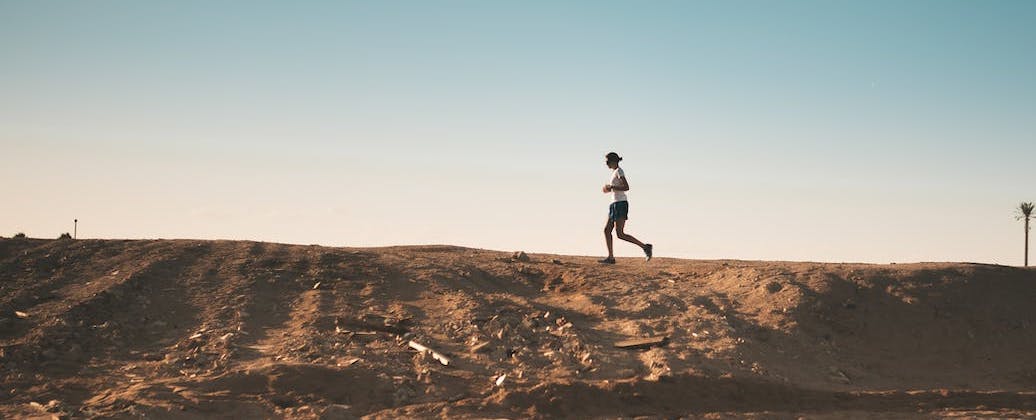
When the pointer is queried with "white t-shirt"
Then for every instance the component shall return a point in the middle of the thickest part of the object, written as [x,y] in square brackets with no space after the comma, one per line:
[614,181]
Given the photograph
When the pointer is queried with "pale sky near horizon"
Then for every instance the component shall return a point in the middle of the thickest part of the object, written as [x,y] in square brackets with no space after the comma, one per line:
[833,131]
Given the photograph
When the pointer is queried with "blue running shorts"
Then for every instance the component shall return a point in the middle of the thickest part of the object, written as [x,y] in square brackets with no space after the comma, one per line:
[619,210]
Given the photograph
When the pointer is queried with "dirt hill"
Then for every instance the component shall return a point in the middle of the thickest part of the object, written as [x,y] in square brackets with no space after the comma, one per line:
[199,329]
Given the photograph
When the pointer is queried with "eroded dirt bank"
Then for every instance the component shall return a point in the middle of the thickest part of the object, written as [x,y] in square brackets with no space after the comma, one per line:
[196,329]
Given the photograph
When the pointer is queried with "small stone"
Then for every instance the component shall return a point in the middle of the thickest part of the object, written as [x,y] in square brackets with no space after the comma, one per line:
[774,287]
[21,314]
[520,256]
[53,406]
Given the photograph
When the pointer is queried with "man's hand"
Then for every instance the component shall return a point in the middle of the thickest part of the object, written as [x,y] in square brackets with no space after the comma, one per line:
[607,188]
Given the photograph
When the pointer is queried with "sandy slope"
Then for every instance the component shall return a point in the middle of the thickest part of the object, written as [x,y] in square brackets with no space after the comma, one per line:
[193,329]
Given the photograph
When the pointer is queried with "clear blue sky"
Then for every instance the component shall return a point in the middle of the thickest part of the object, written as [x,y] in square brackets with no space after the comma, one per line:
[872,131]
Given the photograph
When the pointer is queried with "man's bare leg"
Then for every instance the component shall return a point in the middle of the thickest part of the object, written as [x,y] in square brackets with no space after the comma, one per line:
[619,225]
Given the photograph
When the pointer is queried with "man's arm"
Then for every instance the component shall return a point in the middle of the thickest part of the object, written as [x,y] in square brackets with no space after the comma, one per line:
[623,185]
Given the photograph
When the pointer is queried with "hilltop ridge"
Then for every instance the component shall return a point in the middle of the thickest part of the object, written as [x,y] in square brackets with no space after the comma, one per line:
[193,329]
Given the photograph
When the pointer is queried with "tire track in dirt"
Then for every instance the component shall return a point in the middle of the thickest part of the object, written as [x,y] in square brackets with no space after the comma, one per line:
[127,295]
[215,286]
[43,293]
[104,327]
[269,306]
[264,304]
[310,309]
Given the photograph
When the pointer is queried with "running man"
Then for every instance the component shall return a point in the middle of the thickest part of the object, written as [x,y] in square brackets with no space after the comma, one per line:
[619,209]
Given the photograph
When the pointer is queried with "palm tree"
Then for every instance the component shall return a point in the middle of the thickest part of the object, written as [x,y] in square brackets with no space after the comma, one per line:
[1025,212]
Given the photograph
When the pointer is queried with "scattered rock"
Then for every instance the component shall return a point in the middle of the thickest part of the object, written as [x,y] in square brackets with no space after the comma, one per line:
[21,314]
[423,349]
[520,256]
[555,261]
[642,343]
[54,406]
[838,376]
[337,412]
[774,287]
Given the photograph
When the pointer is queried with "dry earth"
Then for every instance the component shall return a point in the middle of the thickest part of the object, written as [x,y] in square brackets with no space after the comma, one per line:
[201,329]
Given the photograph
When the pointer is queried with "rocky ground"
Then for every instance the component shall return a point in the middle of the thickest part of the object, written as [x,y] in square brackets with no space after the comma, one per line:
[201,329]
